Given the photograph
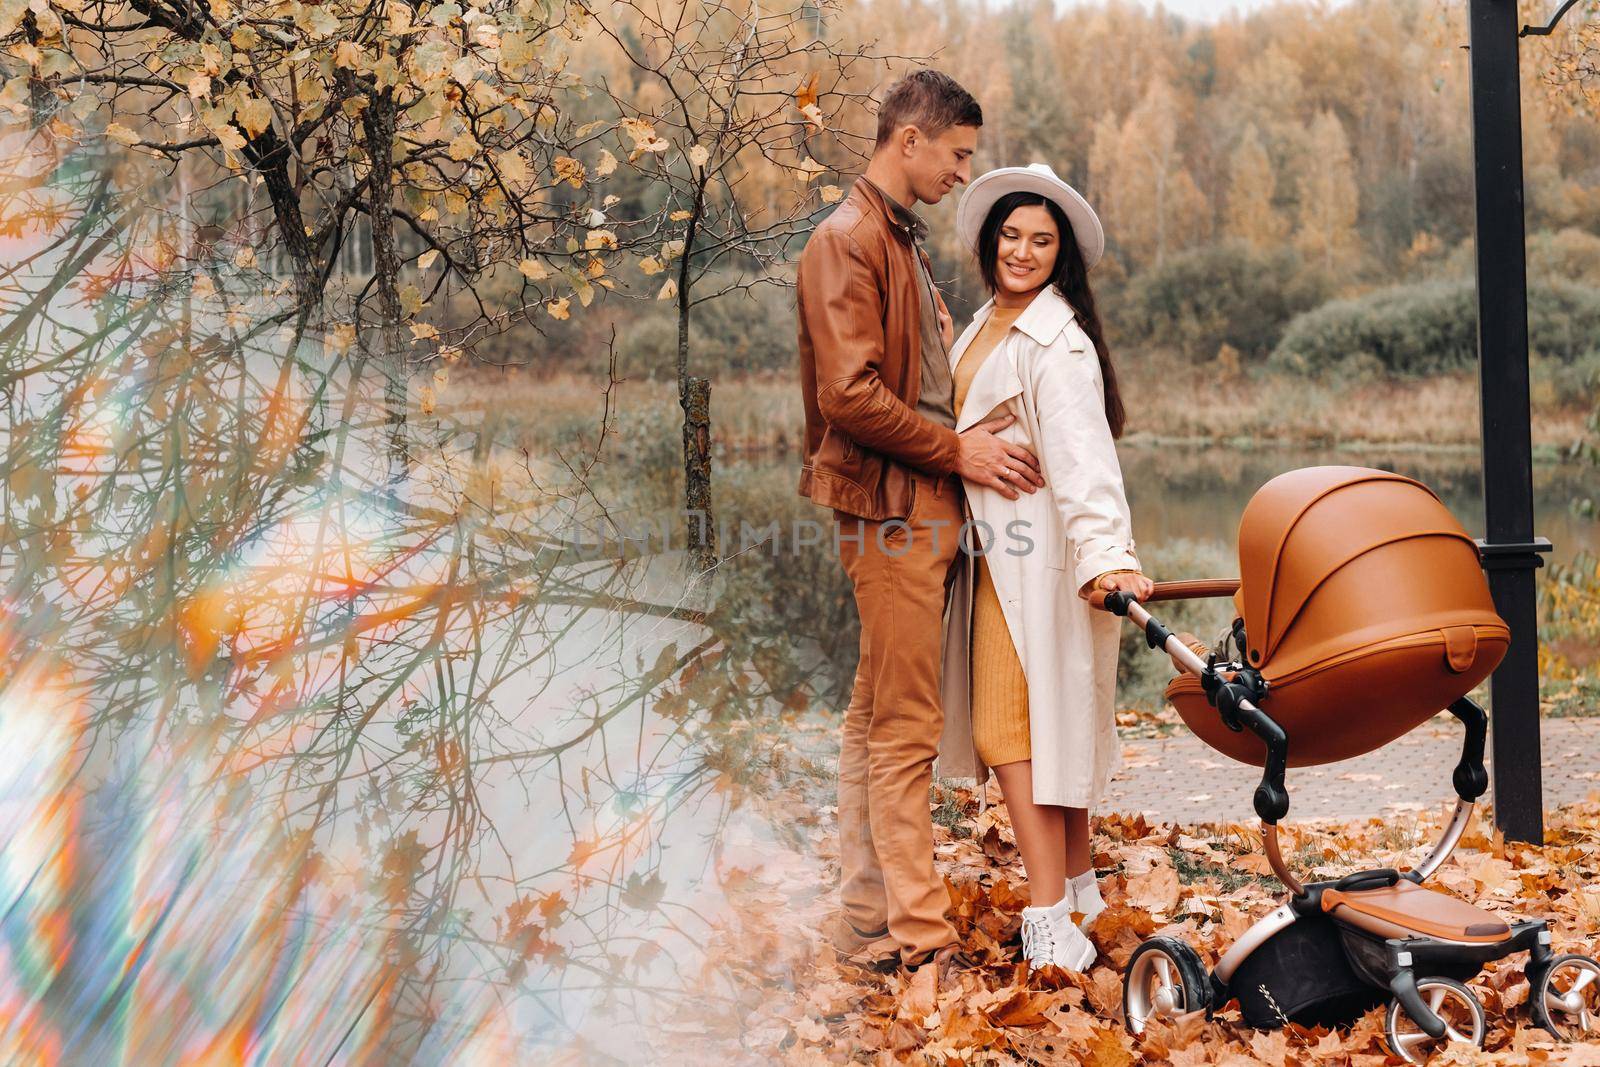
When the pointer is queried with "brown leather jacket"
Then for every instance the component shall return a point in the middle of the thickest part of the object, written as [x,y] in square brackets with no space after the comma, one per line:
[861,364]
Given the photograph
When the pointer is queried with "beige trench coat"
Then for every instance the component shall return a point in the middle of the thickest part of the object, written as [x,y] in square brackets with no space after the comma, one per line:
[1045,546]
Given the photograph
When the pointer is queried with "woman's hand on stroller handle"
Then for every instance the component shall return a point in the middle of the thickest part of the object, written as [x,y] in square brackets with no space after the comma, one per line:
[1133,583]
[1183,590]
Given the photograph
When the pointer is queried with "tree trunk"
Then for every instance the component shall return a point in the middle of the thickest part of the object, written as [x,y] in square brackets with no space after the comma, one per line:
[378,121]
[696,401]
[694,395]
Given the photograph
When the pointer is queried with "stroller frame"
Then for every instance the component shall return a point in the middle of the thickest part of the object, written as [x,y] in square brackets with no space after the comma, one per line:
[1403,965]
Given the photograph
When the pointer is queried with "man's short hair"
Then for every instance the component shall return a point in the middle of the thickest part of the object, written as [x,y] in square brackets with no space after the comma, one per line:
[929,100]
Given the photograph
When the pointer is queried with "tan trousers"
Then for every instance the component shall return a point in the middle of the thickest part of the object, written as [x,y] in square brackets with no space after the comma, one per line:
[900,571]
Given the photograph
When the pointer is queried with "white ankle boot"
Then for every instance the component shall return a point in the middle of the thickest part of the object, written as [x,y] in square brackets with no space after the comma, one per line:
[1085,890]
[1050,939]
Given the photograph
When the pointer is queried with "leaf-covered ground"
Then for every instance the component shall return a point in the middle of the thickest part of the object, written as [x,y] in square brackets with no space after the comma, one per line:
[792,1001]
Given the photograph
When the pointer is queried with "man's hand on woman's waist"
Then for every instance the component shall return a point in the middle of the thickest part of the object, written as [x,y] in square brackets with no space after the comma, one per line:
[1004,467]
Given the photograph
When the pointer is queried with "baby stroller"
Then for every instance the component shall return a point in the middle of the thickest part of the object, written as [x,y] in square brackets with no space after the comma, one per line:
[1362,611]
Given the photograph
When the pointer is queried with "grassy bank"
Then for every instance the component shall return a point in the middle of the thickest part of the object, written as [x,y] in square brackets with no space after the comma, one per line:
[1166,400]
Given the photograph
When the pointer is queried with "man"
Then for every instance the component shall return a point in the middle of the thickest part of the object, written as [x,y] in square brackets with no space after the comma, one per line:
[882,452]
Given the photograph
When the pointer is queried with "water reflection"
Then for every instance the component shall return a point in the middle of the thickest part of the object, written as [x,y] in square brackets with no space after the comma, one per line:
[1181,492]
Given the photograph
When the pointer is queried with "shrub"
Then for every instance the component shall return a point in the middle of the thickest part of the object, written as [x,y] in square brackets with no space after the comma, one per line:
[741,332]
[1206,297]
[1569,255]
[1563,320]
[1557,384]
[1414,330]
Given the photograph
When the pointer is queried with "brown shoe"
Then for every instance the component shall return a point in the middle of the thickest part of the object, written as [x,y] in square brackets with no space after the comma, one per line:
[875,951]
[952,957]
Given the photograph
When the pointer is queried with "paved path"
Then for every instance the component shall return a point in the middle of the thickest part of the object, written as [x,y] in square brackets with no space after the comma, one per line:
[1180,779]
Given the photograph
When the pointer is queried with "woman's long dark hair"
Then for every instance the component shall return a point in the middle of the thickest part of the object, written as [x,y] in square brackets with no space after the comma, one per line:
[1070,277]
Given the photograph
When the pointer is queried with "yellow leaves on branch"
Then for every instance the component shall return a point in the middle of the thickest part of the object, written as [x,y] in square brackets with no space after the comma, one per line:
[11,12]
[442,15]
[581,286]
[216,119]
[644,138]
[569,170]
[806,95]
[559,309]
[670,250]
[809,169]
[698,156]
[211,59]
[15,98]
[342,337]
[516,53]
[638,129]
[805,98]
[513,168]
[830,193]
[347,54]
[399,16]
[598,239]
[462,147]
[316,21]
[424,331]
[533,270]
[410,300]
[606,165]
[254,114]
[117,131]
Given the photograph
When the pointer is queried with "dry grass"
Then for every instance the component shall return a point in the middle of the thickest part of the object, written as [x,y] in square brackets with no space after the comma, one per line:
[1179,401]
[754,413]
[1166,401]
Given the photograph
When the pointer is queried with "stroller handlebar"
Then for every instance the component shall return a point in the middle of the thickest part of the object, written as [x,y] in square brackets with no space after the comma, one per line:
[1190,590]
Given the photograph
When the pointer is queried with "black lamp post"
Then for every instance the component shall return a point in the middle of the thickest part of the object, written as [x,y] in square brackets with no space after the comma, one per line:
[1510,550]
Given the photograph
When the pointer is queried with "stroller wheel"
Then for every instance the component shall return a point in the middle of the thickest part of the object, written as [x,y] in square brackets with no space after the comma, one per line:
[1165,978]
[1566,998]
[1452,1002]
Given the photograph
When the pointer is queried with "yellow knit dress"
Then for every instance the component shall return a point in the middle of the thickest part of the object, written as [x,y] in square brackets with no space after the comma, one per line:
[999,688]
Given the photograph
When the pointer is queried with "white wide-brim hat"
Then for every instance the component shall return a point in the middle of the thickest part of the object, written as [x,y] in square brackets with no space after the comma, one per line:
[987,189]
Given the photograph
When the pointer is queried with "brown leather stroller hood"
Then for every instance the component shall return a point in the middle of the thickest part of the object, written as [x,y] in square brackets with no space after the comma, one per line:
[1365,609]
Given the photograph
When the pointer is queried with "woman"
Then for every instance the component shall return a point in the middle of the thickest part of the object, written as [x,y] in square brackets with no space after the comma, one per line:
[1030,667]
